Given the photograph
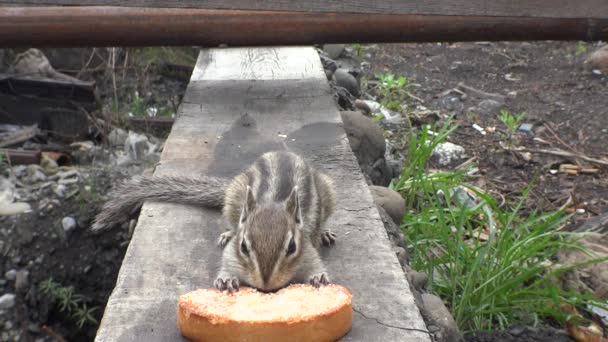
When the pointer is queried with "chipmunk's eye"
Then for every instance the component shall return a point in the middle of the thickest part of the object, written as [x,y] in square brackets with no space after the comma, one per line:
[244,249]
[292,247]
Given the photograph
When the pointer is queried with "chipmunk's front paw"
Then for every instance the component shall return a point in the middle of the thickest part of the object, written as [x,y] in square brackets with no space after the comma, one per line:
[328,238]
[223,283]
[319,279]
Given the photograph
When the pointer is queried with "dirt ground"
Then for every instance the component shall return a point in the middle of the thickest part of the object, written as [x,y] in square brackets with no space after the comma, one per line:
[566,103]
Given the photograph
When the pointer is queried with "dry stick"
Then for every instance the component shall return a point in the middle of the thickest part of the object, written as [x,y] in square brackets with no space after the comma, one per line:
[559,139]
[50,332]
[414,97]
[561,153]
[86,65]
[480,93]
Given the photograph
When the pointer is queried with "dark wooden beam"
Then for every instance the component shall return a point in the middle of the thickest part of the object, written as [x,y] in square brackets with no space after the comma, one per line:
[581,9]
[131,26]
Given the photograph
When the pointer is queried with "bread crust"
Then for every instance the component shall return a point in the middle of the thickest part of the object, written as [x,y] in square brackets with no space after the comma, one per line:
[309,314]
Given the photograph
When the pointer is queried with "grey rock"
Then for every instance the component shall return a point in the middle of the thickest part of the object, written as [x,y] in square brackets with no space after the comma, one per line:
[117,137]
[448,153]
[489,107]
[49,165]
[435,312]
[401,255]
[367,142]
[8,325]
[22,281]
[7,209]
[60,190]
[10,275]
[417,279]
[347,81]
[390,200]
[68,223]
[451,103]
[334,51]
[35,173]
[20,171]
[394,232]
[5,336]
[137,146]
[7,301]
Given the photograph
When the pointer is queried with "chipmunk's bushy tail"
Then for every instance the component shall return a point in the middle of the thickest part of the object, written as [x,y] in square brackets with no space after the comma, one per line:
[130,195]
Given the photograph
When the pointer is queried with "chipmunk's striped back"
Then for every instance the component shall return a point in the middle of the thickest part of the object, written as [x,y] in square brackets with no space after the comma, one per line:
[272,177]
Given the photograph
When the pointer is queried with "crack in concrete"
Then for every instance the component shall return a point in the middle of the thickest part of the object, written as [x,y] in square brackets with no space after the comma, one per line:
[389,325]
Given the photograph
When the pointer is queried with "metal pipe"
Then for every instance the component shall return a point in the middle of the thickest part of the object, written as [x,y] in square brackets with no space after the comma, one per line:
[122,26]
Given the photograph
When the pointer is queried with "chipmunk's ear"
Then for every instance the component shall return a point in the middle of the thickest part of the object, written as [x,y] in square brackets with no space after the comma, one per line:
[292,205]
[248,205]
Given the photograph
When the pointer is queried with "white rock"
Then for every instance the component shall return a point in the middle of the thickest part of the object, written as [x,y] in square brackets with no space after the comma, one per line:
[137,146]
[68,224]
[7,209]
[7,301]
[447,152]
[10,275]
[117,137]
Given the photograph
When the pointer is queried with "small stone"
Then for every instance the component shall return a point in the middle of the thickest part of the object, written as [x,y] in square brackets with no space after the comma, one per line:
[87,268]
[517,330]
[136,146]
[489,107]
[7,209]
[5,336]
[8,325]
[49,165]
[68,224]
[117,137]
[401,255]
[525,127]
[60,190]
[347,81]
[35,173]
[599,60]
[334,51]
[33,328]
[436,313]
[20,171]
[10,275]
[7,301]
[447,153]
[391,201]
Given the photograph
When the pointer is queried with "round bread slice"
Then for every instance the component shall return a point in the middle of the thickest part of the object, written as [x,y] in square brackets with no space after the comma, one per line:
[296,313]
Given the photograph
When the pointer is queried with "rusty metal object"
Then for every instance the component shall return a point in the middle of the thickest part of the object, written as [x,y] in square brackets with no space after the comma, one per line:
[16,157]
[121,26]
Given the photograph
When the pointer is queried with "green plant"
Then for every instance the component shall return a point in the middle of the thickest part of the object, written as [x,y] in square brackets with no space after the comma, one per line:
[512,122]
[392,90]
[491,281]
[415,180]
[4,166]
[581,48]
[75,305]
[359,49]
[137,108]
[490,264]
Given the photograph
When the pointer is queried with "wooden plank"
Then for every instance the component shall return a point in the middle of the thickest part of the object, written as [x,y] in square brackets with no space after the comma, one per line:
[234,109]
[506,8]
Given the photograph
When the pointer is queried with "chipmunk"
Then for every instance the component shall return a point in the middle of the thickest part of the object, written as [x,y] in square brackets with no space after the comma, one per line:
[276,210]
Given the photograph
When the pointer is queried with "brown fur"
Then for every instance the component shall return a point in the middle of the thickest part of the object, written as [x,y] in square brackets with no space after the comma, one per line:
[287,199]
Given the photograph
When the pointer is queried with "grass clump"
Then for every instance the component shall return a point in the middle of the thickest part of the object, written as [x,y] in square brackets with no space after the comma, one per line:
[67,300]
[392,90]
[490,264]
[511,121]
